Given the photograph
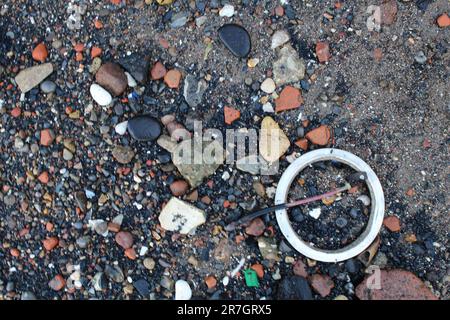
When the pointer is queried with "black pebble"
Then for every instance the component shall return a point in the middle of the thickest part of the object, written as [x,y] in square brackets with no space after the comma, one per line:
[236,39]
[144,128]
[143,287]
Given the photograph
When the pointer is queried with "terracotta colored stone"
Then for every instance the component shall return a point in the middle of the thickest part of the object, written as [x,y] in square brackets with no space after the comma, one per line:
[323,51]
[231,114]
[111,77]
[211,282]
[124,239]
[43,177]
[322,284]
[290,98]
[98,24]
[79,47]
[14,252]
[16,112]
[410,192]
[388,11]
[378,54]
[443,21]
[320,136]
[50,243]
[259,269]
[113,227]
[279,11]
[173,78]
[394,285]
[47,137]
[95,52]
[206,200]
[40,52]
[179,188]
[302,144]
[392,223]
[57,283]
[158,71]
[256,228]
[49,226]
[300,269]
[130,253]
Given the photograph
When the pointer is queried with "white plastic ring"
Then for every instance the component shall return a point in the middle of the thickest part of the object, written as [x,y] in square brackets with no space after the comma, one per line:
[376,213]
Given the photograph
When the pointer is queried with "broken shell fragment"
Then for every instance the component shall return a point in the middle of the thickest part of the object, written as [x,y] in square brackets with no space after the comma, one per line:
[364,199]
[367,255]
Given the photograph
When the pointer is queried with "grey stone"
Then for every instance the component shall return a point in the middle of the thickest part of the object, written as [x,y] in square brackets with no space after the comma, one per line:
[48,86]
[194,90]
[185,159]
[289,67]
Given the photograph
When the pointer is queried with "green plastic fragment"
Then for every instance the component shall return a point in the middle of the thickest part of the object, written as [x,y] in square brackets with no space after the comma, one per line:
[251,278]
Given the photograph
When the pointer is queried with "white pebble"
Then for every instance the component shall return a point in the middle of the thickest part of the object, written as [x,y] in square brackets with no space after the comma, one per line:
[268,85]
[364,199]
[100,95]
[279,38]
[182,290]
[267,107]
[315,213]
[131,82]
[227,11]
[121,128]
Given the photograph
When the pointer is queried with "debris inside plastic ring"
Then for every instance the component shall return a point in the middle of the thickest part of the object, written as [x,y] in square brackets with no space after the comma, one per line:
[376,214]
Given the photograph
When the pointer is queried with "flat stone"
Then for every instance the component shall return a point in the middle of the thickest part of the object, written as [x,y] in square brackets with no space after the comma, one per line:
[236,39]
[388,11]
[394,285]
[111,77]
[273,141]
[137,65]
[196,163]
[172,78]
[143,287]
[289,67]
[144,128]
[29,78]
[179,19]
[294,288]
[47,137]
[180,216]
[279,38]
[290,98]
[167,143]
[123,154]
[100,95]
[193,90]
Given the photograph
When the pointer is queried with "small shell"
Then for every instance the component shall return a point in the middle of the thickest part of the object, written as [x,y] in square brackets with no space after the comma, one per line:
[367,255]
[364,199]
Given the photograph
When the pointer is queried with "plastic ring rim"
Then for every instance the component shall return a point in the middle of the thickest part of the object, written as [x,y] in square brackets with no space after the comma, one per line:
[376,215]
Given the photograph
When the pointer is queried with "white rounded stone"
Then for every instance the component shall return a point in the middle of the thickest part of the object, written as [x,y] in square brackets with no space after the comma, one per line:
[227,11]
[268,85]
[182,290]
[121,128]
[100,95]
